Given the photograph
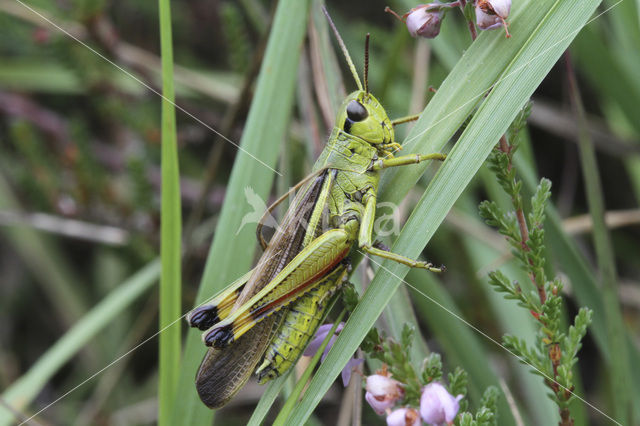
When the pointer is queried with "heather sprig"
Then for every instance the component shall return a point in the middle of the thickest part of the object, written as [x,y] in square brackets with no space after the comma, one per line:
[400,389]
[554,353]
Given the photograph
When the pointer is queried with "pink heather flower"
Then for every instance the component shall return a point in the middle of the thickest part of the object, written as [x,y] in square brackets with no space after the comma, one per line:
[502,8]
[491,14]
[382,392]
[437,405]
[351,366]
[484,21]
[404,417]
[424,20]
[316,342]
[319,337]
[378,405]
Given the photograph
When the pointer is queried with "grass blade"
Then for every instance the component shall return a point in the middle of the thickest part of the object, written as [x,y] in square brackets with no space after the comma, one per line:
[283,416]
[24,390]
[171,230]
[233,247]
[619,365]
[269,396]
[543,30]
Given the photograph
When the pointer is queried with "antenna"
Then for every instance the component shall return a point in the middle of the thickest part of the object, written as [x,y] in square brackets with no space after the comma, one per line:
[344,49]
[366,64]
[406,119]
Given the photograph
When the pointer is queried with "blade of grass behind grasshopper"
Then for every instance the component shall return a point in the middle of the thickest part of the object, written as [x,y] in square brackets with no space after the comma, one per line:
[232,250]
[271,392]
[619,364]
[626,29]
[625,32]
[171,231]
[29,385]
[330,71]
[596,59]
[618,96]
[541,32]
[448,47]
[281,420]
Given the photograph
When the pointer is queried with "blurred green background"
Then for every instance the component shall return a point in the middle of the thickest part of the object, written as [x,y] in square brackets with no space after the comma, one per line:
[80,149]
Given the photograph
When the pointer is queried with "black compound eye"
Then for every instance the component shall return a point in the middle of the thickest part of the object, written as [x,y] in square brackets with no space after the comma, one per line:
[356,111]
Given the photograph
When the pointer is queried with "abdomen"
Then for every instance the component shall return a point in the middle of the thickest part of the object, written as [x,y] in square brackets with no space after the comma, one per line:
[298,326]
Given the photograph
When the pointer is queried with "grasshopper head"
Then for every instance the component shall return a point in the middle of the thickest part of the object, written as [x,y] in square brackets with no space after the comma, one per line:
[361,115]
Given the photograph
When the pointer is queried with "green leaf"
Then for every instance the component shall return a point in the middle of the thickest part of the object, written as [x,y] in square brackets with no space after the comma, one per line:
[541,32]
[432,369]
[458,381]
[232,250]
[269,396]
[619,366]
[171,231]
[304,378]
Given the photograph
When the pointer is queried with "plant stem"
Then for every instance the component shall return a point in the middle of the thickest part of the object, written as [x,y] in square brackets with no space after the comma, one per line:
[470,24]
[171,227]
[522,222]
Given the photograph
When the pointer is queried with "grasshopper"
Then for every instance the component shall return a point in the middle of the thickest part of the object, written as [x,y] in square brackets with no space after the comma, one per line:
[264,320]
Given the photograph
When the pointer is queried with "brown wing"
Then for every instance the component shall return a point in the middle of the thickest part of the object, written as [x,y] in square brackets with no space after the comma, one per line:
[286,242]
[223,372]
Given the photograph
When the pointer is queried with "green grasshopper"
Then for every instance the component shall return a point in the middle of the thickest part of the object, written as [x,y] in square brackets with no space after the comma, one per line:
[264,320]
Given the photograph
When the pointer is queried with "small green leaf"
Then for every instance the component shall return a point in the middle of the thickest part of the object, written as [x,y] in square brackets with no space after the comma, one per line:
[432,368]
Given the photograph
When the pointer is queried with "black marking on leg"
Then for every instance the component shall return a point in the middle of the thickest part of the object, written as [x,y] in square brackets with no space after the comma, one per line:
[204,317]
[347,263]
[349,217]
[220,337]
[268,372]
[380,245]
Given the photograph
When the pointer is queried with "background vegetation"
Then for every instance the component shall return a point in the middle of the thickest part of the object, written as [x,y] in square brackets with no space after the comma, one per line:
[83,133]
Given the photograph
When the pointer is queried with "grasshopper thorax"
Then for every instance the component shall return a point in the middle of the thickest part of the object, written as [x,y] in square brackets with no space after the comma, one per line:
[362,116]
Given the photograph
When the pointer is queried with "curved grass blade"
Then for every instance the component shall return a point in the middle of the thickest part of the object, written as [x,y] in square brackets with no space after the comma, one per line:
[304,378]
[545,30]
[26,388]
[267,399]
